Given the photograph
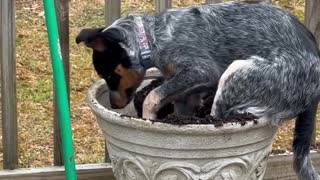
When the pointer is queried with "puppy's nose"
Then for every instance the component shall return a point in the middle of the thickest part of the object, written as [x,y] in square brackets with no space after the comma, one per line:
[117,101]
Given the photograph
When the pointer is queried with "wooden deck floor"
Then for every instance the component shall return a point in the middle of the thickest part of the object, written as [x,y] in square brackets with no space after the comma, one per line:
[279,168]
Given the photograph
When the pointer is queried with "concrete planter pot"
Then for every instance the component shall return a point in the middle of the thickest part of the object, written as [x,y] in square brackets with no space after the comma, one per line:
[142,150]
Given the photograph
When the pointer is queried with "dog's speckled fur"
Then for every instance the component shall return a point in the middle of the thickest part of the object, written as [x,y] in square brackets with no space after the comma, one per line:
[261,59]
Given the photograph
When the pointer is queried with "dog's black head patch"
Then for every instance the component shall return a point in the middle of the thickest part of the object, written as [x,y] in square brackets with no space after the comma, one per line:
[112,63]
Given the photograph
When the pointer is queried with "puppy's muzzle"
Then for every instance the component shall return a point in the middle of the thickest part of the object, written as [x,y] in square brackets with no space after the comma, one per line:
[117,101]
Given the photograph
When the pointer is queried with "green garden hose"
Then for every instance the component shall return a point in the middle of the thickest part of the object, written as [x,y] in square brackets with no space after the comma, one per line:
[61,90]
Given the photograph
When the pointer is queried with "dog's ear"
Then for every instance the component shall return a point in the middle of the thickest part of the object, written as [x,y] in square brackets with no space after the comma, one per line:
[91,38]
[97,39]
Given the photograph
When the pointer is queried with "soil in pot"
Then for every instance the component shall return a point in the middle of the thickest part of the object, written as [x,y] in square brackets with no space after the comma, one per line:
[202,114]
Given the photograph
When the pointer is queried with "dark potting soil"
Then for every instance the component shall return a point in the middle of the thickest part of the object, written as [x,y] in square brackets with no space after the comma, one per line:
[202,114]
[241,119]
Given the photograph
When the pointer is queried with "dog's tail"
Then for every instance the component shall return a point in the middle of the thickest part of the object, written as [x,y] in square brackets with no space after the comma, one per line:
[305,124]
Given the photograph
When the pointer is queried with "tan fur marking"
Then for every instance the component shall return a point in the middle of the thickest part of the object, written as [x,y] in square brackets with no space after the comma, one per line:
[129,79]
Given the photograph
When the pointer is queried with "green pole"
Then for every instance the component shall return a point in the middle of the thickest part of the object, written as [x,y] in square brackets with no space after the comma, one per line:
[61,90]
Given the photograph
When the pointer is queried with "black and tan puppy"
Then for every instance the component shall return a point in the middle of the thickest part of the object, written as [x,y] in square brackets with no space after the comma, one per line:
[261,59]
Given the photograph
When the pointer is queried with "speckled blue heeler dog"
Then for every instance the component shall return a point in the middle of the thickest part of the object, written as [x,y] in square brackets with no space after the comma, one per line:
[260,59]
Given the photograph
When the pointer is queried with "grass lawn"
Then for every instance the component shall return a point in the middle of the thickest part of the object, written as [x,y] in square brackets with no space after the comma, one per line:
[34,80]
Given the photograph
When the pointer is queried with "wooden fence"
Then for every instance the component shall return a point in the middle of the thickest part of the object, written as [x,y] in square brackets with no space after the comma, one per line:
[279,167]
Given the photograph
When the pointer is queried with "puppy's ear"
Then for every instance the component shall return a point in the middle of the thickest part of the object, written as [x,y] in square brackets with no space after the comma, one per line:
[91,38]
[97,39]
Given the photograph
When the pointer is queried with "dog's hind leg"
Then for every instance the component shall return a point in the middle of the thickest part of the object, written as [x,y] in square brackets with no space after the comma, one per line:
[301,144]
[217,109]
[277,91]
[272,90]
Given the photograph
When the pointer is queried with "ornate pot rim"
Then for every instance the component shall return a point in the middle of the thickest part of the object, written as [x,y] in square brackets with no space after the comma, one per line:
[99,87]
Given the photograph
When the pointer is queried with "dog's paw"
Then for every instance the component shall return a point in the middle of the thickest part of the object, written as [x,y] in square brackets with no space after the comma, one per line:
[151,105]
[149,115]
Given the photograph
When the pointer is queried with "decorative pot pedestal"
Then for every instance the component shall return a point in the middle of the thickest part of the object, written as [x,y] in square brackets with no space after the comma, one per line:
[142,150]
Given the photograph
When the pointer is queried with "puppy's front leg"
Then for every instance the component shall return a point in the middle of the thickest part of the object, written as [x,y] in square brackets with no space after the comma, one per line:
[180,86]
[152,104]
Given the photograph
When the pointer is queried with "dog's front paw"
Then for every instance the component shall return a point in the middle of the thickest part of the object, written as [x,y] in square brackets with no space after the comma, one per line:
[149,115]
[151,106]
